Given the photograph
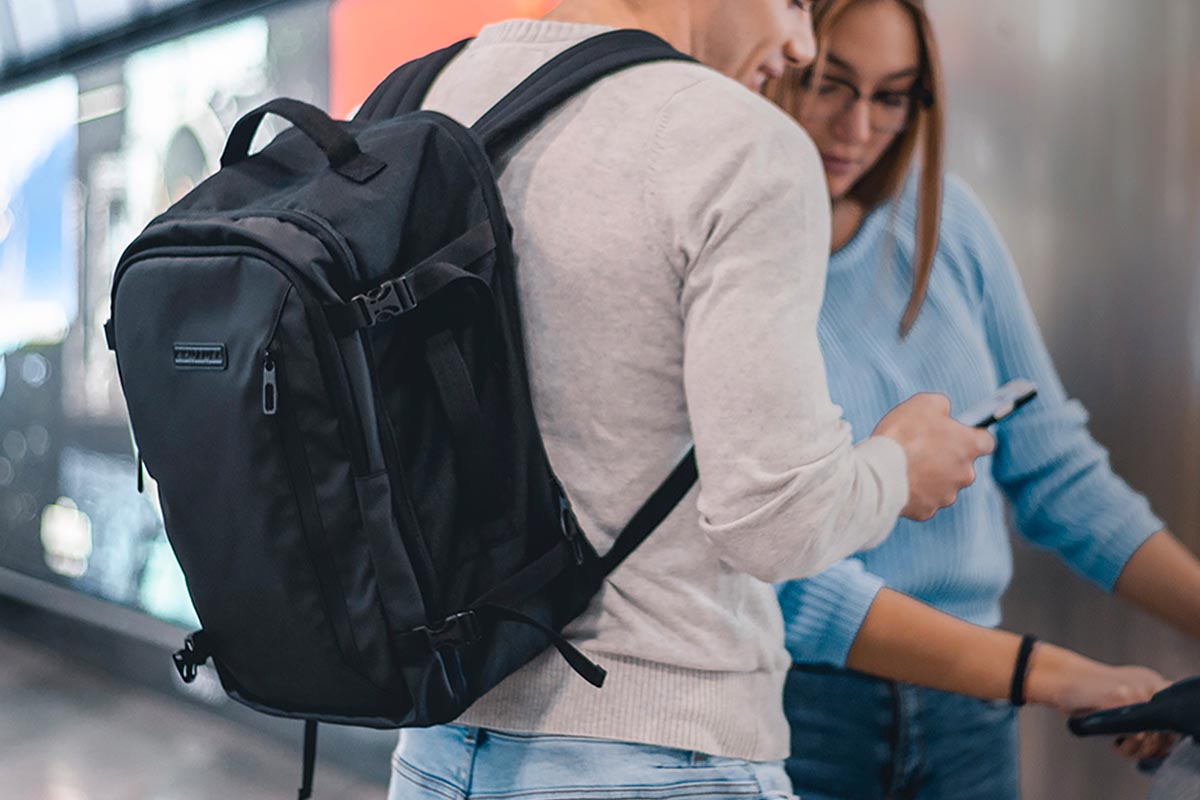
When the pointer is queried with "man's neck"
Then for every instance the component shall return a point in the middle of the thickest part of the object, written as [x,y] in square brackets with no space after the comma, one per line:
[668,20]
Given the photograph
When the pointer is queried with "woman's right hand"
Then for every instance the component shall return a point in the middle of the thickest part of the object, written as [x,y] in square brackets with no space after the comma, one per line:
[1074,685]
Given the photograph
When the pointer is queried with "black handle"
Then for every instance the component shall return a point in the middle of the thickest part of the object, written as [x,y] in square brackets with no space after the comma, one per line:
[1176,709]
[340,148]
[1126,719]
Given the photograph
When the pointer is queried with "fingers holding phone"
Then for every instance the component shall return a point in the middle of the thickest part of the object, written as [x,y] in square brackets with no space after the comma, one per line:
[942,449]
[941,452]
[1003,403]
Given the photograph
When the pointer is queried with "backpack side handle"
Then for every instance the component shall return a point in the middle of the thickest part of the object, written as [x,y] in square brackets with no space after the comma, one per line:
[339,146]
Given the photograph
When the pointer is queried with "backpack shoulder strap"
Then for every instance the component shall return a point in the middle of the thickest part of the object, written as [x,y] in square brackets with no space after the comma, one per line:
[403,91]
[566,75]
[555,82]
[652,513]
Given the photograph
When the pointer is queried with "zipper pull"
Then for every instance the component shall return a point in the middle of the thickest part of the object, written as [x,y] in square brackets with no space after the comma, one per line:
[141,473]
[270,384]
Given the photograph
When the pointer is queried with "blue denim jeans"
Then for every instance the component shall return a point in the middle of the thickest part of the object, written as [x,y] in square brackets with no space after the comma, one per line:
[452,762]
[855,737]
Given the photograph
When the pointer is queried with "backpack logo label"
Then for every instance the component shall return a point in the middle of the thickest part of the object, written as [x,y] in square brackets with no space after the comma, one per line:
[200,356]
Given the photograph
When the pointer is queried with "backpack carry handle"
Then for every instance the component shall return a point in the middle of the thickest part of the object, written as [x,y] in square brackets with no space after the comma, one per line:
[345,156]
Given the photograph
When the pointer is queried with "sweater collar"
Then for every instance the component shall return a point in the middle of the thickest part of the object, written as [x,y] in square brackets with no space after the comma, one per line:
[854,252]
[537,31]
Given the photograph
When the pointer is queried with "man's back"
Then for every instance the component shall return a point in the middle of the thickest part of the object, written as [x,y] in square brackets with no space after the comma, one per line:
[671,232]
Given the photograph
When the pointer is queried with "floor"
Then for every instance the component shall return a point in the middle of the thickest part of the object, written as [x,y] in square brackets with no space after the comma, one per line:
[71,732]
[72,729]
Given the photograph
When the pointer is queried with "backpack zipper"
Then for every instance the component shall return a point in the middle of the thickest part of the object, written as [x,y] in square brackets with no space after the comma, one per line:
[287,429]
[344,404]
[270,385]
[426,575]
[325,342]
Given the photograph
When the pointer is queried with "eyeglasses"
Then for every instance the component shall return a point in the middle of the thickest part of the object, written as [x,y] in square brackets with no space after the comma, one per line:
[890,112]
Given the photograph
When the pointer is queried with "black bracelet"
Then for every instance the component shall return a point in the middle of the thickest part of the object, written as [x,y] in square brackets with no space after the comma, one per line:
[1016,693]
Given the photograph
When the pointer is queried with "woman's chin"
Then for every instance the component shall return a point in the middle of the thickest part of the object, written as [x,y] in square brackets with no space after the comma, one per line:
[839,189]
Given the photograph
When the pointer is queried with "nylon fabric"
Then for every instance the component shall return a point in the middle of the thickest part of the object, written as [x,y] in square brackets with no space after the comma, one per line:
[369,526]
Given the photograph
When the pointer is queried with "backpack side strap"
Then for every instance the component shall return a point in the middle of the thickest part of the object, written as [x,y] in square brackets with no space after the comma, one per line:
[400,295]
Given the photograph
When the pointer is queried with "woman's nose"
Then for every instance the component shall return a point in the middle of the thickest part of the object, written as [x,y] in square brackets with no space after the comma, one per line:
[854,122]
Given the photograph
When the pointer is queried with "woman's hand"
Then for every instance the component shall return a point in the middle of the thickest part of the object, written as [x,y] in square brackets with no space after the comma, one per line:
[1074,685]
[903,639]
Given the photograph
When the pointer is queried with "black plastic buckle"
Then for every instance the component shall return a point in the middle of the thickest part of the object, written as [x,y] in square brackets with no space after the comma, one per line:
[386,301]
[453,631]
[189,660]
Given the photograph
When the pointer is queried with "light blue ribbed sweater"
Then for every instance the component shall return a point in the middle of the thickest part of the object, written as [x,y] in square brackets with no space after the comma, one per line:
[975,332]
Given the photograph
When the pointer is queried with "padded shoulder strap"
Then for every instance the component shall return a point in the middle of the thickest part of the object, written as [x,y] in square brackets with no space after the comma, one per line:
[403,91]
[564,76]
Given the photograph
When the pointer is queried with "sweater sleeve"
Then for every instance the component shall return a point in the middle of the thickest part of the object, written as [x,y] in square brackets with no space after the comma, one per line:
[1064,493]
[783,492]
[824,613]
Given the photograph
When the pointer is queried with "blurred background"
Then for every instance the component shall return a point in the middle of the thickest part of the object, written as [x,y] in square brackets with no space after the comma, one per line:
[1076,121]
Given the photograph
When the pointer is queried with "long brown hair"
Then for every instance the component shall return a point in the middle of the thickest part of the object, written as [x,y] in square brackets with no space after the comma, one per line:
[926,131]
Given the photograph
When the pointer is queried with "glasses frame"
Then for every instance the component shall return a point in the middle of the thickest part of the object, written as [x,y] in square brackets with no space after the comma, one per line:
[920,95]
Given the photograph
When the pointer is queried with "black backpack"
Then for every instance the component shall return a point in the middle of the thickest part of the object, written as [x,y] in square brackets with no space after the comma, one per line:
[321,351]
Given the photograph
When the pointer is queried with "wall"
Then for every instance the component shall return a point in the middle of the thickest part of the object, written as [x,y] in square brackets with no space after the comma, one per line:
[1078,122]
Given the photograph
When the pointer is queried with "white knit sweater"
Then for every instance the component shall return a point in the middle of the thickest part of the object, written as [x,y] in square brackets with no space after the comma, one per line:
[672,231]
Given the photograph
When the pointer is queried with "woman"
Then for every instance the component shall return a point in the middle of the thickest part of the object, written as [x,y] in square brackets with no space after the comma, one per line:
[922,296]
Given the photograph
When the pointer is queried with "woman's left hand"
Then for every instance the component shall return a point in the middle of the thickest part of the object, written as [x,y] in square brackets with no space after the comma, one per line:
[1152,744]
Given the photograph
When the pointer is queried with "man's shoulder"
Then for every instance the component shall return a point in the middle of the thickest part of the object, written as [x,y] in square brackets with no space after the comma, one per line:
[694,102]
[689,83]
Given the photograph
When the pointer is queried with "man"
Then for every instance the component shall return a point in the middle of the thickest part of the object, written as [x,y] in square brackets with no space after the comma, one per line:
[673,229]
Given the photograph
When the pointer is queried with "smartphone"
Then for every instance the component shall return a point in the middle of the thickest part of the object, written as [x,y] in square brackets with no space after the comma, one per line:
[1007,399]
